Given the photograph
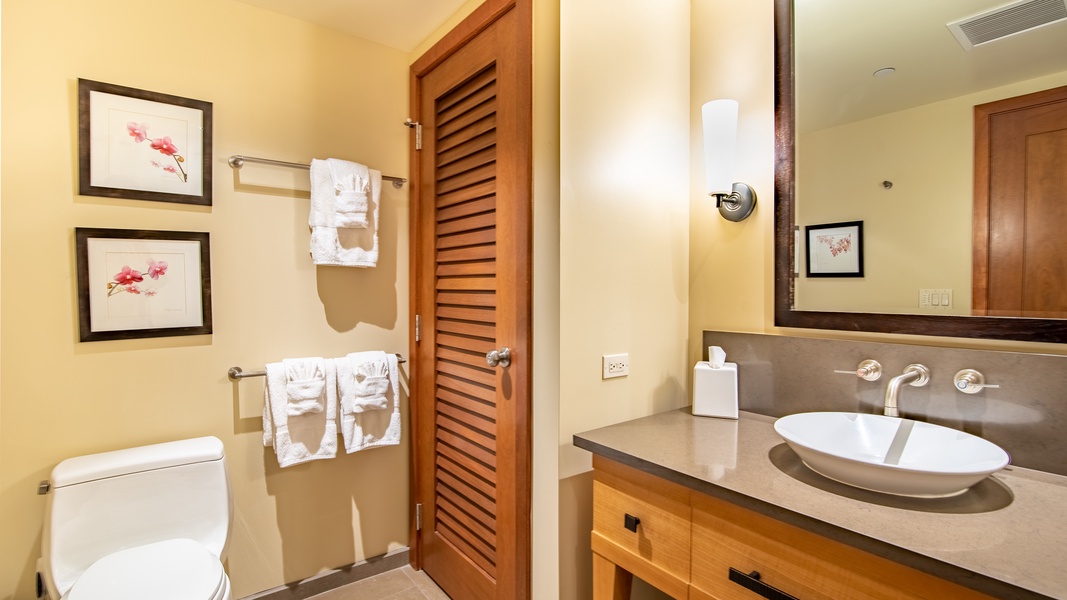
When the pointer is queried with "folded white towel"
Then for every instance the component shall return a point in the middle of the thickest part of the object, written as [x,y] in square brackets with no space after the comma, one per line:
[369,386]
[305,385]
[336,237]
[351,181]
[304,437]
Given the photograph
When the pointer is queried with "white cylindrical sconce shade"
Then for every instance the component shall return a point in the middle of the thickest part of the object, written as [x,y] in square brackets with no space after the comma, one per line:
[720,139]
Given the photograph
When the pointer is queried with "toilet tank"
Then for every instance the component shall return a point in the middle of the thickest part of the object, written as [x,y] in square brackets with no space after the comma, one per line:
[103,503]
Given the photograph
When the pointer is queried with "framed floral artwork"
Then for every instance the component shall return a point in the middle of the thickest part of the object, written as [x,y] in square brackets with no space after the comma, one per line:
[835,249]
[143,145]
[139,284]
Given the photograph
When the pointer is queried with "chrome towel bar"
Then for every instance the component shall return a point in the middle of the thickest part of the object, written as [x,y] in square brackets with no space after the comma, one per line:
[237,373]
[237,161]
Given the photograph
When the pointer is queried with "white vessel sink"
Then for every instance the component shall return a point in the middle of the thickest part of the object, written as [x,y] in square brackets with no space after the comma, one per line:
[891,455]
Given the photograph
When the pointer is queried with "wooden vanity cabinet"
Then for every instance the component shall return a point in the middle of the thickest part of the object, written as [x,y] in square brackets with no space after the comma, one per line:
[655,547]
[795,561]
[686,544]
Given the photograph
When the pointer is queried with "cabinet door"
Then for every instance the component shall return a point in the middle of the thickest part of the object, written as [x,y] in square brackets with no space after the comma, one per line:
[796,562]
[641,523]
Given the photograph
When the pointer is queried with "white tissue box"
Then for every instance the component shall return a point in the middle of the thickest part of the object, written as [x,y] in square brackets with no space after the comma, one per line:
[715,390]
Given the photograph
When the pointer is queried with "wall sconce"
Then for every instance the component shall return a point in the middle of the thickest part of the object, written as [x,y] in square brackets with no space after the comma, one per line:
[734,200]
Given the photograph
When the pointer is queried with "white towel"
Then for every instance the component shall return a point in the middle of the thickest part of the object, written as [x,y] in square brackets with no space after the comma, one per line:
[351,181]
[336,237]
[305,385]
[369,387]
[299,438]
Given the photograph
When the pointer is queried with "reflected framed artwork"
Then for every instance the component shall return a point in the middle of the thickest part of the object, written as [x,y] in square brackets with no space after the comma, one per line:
[143,145]
[835,249]
[139,284]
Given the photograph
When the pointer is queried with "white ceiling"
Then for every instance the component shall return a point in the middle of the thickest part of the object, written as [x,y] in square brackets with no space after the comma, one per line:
[400,24]
[840,43]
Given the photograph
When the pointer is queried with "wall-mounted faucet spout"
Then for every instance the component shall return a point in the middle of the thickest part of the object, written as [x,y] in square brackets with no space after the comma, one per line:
[916,375]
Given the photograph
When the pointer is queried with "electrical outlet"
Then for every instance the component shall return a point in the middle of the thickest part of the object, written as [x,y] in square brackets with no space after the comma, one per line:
[616,365]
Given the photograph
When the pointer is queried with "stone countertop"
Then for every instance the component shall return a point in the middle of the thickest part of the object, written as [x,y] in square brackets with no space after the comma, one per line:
[1006,536]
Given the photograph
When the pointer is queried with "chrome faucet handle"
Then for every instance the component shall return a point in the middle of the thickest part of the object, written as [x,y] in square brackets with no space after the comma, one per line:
[970,381]
[869,370]
[922,371]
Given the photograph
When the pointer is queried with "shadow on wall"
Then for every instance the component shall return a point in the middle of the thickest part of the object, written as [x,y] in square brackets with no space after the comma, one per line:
[345,507]
[354,295]
[349,295]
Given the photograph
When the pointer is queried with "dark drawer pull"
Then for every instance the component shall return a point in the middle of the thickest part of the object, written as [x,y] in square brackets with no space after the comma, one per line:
[752,582]
[631,522]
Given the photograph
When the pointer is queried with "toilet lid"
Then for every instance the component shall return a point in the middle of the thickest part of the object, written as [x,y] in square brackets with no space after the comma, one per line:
[178,569]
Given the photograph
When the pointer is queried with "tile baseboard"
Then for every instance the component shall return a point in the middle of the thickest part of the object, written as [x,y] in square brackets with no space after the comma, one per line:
[324,582]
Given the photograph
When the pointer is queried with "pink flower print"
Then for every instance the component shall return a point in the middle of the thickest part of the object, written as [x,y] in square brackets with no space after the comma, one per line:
[138,131]
[128,276]
[165,145]
[836,245]
[127,279]
[157,268]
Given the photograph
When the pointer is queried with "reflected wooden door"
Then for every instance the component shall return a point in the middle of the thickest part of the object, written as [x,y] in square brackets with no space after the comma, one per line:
[1020,210]
[471,295]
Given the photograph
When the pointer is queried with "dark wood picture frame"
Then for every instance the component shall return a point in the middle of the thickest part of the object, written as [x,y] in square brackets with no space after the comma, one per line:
[184,308]
[854,238]
[190,167]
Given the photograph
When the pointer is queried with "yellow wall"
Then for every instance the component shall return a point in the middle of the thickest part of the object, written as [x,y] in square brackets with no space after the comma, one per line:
[927,153]
[280,88]
[624,172]
[731,264]
[546,291]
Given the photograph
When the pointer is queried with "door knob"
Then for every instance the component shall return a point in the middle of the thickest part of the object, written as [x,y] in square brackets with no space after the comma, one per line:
[500,357]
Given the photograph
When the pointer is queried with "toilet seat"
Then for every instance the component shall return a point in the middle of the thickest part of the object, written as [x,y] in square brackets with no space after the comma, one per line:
[178,569]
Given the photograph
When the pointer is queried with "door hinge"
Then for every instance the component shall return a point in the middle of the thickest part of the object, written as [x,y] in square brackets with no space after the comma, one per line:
[418,328]
[418,132]
[418,517]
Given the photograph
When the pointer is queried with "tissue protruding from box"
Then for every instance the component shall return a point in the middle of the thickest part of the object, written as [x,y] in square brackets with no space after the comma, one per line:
[715,390]
[716,357]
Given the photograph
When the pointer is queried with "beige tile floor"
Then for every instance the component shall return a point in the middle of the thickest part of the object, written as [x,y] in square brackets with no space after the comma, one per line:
[404,583]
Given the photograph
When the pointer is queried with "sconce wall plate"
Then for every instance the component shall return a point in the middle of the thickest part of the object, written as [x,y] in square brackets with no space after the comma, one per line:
[738,205]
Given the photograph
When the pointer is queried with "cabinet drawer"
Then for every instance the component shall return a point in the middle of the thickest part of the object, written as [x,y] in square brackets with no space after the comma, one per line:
[658,551]
[795,561]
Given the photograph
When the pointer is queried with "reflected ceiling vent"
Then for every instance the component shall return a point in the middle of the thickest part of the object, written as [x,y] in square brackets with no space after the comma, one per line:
[1006,20]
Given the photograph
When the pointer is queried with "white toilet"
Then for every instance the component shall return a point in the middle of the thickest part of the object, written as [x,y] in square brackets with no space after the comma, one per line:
[149,522]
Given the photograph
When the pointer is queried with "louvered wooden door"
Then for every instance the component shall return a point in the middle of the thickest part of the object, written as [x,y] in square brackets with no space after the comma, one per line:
[471,286]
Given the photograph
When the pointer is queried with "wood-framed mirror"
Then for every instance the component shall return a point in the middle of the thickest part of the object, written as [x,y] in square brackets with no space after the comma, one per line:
[788,244]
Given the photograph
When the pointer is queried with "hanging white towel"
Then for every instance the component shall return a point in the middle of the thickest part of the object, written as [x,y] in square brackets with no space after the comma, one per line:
[336,236]
[351,182]
[305,385]
[302,437]
[369,387]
